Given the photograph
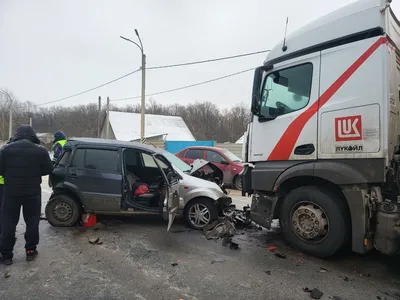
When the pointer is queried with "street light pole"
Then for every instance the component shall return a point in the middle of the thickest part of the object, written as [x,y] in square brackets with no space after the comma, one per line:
[143,100]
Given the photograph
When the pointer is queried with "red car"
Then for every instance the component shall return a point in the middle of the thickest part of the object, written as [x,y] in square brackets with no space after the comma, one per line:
[229,163]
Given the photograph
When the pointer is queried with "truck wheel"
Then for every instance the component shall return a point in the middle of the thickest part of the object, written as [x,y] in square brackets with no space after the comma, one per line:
[315,221]
[200,212]
[62,211]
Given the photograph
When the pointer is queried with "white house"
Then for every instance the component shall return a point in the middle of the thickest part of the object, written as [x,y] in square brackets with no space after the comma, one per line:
[126,127]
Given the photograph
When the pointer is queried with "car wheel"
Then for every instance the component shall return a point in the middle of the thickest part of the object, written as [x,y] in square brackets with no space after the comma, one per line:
[200,212]
[315,221]
[238,182]
[62,211]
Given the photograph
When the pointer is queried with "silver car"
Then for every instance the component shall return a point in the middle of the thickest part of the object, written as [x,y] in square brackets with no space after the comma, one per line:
[201,200]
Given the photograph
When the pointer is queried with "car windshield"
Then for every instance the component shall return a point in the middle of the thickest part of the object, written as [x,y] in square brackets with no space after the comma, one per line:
[176,162]
[231,156]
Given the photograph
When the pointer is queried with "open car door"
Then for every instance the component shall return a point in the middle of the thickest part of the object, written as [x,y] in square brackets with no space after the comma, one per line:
[172,179]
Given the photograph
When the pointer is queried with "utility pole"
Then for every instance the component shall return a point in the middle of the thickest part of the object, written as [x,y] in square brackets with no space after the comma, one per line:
[143,102]
[99,119]
[108,118]
[10,121]
[30,121]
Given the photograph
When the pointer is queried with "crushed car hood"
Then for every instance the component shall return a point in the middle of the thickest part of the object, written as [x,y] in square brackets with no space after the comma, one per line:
[205,170]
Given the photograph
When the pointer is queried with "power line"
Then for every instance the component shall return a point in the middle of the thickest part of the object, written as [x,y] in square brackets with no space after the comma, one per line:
[153,68]
[208,60]
[186,86]
[89,90]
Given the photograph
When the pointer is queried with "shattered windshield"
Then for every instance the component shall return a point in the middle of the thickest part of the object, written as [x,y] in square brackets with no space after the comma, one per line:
[231,156]
[176,162]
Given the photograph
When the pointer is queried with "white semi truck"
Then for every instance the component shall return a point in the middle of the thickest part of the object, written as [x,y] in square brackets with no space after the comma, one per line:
[323,147]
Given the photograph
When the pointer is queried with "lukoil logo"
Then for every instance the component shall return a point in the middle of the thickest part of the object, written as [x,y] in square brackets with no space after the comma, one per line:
[348,128]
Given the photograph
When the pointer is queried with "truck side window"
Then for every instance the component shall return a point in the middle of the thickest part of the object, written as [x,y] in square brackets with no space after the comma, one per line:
[286,90]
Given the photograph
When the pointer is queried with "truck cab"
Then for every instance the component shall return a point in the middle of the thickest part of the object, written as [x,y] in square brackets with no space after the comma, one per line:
[323,145]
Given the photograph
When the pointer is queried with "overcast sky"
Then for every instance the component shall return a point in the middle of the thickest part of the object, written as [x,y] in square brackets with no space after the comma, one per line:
[51,49]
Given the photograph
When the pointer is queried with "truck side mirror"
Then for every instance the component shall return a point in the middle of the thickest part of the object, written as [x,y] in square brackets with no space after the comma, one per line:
[256,90]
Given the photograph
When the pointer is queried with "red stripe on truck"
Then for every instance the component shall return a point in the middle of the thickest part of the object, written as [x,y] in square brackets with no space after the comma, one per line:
[285,145]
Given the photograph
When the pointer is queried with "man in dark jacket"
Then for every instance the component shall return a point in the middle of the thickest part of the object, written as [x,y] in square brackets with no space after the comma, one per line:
[23,162]
[58,144]
[2,184]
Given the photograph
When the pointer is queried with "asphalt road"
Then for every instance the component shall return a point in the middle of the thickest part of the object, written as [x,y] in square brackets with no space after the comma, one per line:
[136,256]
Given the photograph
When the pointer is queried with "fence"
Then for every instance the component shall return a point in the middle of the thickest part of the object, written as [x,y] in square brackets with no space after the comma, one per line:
[234,148]
[176,146]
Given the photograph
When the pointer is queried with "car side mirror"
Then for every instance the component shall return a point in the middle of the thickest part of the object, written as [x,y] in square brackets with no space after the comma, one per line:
[224,162]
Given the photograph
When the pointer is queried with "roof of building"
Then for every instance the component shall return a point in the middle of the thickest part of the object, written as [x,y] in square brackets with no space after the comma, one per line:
[356,17]
[126,127]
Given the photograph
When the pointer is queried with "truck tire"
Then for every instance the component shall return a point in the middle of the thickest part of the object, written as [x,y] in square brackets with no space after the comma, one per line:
[315,221]
[62,211]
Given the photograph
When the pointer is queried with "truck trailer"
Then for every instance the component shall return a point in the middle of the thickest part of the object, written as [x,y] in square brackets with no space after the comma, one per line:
[323,147]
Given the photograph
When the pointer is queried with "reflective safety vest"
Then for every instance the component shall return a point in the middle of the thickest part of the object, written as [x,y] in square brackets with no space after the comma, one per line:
[1,180]
[60,142]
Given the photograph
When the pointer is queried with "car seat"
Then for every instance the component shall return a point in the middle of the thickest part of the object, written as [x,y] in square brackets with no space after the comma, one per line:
[150,198]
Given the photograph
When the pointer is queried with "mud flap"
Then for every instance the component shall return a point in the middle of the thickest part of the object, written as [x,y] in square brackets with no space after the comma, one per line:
[173,205]
[262,209]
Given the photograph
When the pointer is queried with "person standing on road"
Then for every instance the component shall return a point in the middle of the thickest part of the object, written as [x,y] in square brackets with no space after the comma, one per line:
[58,144]
[22,164]
[2,184]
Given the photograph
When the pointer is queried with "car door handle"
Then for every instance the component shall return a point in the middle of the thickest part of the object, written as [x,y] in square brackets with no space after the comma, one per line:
[306,149]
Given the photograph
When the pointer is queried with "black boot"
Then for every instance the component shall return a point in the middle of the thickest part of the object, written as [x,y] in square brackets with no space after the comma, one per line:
[31,255]
[6,261]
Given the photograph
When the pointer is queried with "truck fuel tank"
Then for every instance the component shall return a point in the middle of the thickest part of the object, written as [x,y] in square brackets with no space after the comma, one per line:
[387,236]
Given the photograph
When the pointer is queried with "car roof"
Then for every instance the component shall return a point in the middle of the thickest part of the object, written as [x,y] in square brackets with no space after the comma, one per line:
[204,147]
[115,143]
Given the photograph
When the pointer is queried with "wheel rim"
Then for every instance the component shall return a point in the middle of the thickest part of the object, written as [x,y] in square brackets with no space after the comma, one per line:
[309,222]
[62,212]
[199,215]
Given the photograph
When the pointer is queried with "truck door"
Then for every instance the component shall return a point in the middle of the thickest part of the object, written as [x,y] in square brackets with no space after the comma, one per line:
[286,127]
[351,107]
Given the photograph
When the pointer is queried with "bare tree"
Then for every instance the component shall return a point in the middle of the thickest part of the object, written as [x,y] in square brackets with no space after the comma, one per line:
[205,120]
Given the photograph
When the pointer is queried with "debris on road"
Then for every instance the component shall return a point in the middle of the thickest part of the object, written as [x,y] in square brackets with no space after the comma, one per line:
[218,260]
[174,264]
[314,293]
[226,227]
[322,270]
[95,241]
[392,295]
[345,278]
[280,255]
[336,298]
[7,275]
[268,272]
[271,248]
